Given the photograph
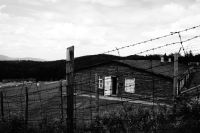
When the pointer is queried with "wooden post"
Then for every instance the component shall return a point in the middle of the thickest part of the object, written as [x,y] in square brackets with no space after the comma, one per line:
[2,107]
[90,98]
[61,100]
[175,78]
[97,94]
[97,99]
[38,86]
[26,108]
[70,88]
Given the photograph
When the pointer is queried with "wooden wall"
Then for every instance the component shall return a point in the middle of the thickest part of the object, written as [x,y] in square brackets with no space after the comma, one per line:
[146,84]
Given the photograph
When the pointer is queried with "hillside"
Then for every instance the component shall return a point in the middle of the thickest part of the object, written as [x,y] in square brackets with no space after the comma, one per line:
[4,58]
[46,70]
[55,70]
[7,58]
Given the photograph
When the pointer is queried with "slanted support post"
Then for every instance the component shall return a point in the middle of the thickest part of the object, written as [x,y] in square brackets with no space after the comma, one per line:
[70,88]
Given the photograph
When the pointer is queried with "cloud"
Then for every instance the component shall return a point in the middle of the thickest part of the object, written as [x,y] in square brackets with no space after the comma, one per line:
[93,26]
[174,17]
[3,16]
[173,9]
[53,1]
[48,15]
[50,1]
[38,2]
[2,7]
[31,2]
[110,3]
[33,34]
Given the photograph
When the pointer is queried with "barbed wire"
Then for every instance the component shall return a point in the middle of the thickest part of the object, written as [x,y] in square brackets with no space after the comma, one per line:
[47,100]
[168,44]
[153,39]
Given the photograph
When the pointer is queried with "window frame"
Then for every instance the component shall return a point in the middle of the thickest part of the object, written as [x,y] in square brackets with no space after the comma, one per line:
[100,82]
[128,87]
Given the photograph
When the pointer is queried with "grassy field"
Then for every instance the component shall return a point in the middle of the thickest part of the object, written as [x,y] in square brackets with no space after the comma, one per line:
[44,102]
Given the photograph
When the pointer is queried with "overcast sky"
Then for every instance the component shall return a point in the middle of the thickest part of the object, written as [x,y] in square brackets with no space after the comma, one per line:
[45,28]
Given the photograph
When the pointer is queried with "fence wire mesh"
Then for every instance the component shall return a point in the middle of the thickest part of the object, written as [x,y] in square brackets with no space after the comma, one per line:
[114,96]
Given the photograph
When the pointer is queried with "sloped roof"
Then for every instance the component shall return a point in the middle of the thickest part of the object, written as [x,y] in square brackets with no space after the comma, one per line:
[155,66]
[165,69]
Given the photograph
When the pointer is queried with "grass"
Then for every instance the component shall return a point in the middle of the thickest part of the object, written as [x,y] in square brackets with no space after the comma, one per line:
[45,113]
[44,106]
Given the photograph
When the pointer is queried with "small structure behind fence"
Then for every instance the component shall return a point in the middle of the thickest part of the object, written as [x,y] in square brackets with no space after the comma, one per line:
[114,96]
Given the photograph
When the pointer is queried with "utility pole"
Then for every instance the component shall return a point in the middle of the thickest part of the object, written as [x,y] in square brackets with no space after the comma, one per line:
[70,88]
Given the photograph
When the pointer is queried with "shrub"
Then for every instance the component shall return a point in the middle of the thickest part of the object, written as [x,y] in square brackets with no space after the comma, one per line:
[14,125]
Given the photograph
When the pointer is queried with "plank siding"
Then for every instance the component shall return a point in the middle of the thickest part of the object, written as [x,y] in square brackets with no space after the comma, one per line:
[85,79]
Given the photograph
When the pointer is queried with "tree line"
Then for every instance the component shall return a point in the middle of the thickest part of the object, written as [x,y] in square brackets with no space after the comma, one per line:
[55,70]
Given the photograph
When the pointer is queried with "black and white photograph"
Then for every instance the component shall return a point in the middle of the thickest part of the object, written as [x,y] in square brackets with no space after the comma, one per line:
[99,66]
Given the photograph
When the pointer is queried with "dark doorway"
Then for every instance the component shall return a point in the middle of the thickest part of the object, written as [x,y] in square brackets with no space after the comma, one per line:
[114,85]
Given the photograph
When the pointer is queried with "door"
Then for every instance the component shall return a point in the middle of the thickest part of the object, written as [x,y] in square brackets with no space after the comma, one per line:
[108,86]
[114,85]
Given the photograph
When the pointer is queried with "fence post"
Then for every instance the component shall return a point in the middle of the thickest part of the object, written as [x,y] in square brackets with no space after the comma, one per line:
[26,108]
[175,81]
[61,100]
[97,94]
[2,107]
[175,78]
[70,88]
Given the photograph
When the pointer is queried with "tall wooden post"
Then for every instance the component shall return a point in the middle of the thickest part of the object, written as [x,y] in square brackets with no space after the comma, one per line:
[70,88]
[175,76]
[26,108]
[2,107]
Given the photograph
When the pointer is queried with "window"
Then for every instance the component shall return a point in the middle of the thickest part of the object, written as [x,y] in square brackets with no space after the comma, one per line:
[100,82]
[130,85]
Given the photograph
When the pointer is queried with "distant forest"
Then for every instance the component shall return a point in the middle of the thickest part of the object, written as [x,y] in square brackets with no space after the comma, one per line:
[55,70]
